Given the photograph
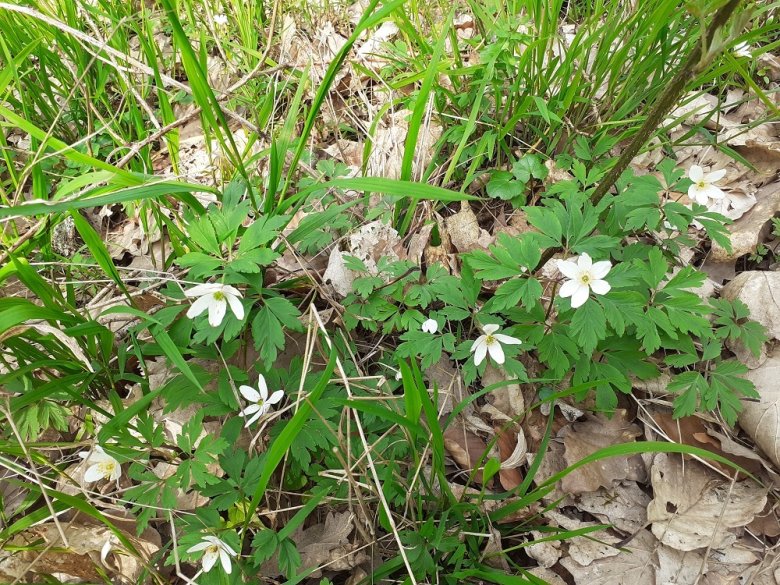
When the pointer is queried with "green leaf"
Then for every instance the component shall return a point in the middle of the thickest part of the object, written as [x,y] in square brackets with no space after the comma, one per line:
[589,325]
[529,166]
[502,185]
[263,230]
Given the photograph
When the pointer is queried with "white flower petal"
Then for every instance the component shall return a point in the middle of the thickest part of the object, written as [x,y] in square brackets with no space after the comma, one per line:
[250,410]
[209,559]
[231,291]
[430,326]
[480,350]
[715,176]
[713,192]
[698,194]
[252,420]
[93,473]
[490,329]
[568,268]
[198,547]
[580,296]
[584,262]
[507,339]
[236,306]
[600,287]
[199,306]
[203,289]
[225,560]
[249,393]
[217,310]
[695,173]
[226,547]
[275,397]
[263,387]
[569,288]
[496,352]
[601,269]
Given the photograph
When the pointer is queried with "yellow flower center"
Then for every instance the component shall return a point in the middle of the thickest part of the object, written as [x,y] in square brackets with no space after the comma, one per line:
[219,296]
[107,468]
[260,402]
[701,184]
[490,340]
[585,278]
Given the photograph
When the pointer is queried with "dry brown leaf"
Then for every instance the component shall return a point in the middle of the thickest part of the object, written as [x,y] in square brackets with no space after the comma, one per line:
[691,430]
[583,438]
[692,509]
[767,522]
[464,231]
[465,447]
[635,567]
[757,290]
[328,543]
[624,507]
[508,398]
[761,419]
[508,444]
[371,242]
[753,227]
[545,553]
[80,559]
[387,146]
[678,567]
[448,383]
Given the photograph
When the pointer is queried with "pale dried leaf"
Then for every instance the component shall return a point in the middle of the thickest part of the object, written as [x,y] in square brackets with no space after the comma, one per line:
[545,553]
[692,509]
[636,567]
[761,419]
[583,438]
[507,398]
[624,507]
[328,544]
[751,228]
[464,231]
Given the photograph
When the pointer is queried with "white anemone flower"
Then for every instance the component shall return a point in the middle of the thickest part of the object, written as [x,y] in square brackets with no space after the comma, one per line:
[584,276]
[101,465]
[259,401]
[214,549]
[490,342]
[214,298]
[220,19]
[704,188]
[430,326]
[743,49]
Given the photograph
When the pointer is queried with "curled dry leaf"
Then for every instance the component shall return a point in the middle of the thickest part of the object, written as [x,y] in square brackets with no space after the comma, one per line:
[512,449]
[507,398]
[545,553]
[465,447]
[584,438]
[692,509]
[761,420]
[752,228]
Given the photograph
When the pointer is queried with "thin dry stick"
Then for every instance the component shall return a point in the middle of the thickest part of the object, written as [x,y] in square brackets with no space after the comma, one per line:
[369,459]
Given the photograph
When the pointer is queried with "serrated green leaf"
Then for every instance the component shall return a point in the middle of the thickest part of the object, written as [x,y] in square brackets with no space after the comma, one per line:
[589,325]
